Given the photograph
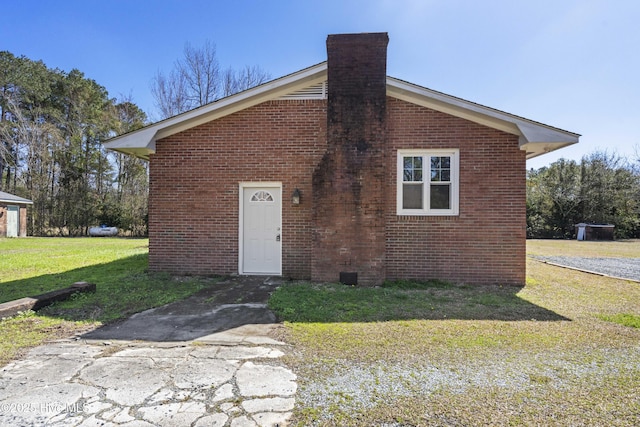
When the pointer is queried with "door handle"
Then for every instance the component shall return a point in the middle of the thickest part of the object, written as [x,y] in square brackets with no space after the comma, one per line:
[278,238]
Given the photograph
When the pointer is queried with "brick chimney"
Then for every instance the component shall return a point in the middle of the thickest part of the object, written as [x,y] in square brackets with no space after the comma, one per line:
[348,199]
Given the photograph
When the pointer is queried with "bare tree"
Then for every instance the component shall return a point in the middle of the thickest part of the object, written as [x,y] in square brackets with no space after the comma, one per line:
[197,80]
[170,93]
[200,70]
[248,77]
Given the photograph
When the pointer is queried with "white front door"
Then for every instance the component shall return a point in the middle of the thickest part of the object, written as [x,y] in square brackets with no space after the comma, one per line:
[13,221]
[260,230]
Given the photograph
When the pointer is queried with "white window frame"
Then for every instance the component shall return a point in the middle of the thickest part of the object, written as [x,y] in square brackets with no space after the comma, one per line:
[454,154]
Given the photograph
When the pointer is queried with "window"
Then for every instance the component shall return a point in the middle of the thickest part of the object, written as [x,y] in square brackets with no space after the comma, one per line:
[428,182]
[262,196]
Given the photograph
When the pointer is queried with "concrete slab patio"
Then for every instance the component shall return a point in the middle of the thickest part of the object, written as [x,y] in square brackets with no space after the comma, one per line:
[223,370]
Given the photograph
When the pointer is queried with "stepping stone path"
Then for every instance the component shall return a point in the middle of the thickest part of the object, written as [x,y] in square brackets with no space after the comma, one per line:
[79,383]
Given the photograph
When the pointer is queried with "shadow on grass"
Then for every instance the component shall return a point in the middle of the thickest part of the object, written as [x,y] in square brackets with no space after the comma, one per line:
[187,308]
[123,287]
[133,304]
[406,300]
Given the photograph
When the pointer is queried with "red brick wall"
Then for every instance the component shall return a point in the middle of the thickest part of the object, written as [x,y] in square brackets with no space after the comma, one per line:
[193,218]
[194,179]
[486,242]
[23,222]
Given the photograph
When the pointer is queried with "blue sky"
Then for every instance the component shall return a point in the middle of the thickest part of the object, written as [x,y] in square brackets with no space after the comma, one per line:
[573,64]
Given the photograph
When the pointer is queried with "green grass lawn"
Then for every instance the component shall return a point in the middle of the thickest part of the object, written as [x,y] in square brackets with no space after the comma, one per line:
[118,267]
[35,265]
[562,350]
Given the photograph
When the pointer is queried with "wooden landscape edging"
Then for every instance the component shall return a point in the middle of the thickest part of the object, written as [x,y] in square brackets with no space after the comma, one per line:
[11,308]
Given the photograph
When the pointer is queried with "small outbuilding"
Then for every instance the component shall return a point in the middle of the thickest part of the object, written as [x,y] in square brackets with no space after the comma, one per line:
[594,231]
[13,215]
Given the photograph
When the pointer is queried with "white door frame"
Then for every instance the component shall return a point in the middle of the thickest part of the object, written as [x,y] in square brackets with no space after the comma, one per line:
[242,186]
[11,211]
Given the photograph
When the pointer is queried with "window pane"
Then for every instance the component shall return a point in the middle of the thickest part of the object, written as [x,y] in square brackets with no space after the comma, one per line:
[440,196]
[441,169]
[262,196]
[412,196]
[412,169]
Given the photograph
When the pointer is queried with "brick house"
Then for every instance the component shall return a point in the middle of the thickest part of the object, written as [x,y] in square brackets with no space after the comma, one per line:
[13,215]
[339,172]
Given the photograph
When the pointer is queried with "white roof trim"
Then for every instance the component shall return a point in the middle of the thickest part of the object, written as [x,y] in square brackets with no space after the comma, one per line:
[8,198]
[535,138]
[141,143]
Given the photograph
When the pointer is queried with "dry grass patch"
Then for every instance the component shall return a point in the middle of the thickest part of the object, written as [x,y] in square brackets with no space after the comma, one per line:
[577,294]
[579,368]
[593,249]
[26,330]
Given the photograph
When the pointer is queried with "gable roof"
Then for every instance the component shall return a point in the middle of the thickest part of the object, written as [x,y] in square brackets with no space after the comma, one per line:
[10,198]
[535,138]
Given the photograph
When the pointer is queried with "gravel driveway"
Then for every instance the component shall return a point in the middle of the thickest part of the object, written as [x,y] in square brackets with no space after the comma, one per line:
[627,268]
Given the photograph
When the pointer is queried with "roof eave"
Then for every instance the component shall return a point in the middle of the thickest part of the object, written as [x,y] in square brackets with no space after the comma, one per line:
[537,140]
[141,143]
[534,138]
[16,201]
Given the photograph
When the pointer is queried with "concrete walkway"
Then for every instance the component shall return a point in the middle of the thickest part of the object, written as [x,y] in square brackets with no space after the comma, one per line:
[225,374]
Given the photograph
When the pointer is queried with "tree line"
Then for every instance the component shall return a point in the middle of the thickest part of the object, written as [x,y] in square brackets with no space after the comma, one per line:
[53,123]
[603,188]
